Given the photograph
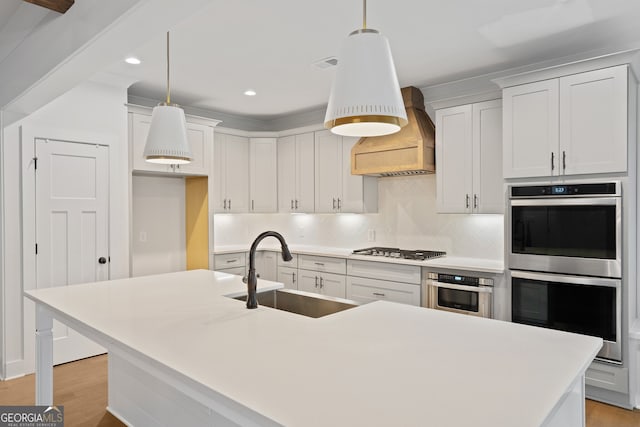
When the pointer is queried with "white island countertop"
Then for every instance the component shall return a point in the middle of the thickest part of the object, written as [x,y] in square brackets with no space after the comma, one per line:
[380,364]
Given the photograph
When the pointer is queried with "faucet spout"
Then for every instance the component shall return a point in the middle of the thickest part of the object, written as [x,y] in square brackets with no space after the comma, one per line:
[252,280]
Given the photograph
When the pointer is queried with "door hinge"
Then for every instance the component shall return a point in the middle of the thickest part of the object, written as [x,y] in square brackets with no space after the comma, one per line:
[35,163]
[36,249]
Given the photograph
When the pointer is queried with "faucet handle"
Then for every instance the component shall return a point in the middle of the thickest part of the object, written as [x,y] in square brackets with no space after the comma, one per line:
[245,279]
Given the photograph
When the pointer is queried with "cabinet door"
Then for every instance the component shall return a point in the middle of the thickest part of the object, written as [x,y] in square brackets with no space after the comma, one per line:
[488,193]
[530,129]
[237,173]
[333,285]
[138,130]
[352,193]
[266,265]
[287,173]
[219,196]
[200,139]
[288,276]
[305,172]
[593,121]
[263,186]
[328,162]
[309,281]
[454,159]
[366,290]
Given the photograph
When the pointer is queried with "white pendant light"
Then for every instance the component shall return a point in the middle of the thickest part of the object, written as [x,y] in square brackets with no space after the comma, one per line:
[167,139]
[365,98]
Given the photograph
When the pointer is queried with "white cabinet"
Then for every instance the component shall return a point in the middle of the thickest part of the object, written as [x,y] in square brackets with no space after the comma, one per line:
[263,184]
[232,263]
[266,265]
[296,173]
[370,281]
[336,190]
[231,174]
[323,275]
[469,157]
[200,139]
[575,124]
[288,276]
[322,283]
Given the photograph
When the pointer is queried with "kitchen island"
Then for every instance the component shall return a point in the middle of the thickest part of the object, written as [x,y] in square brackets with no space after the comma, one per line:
[181,352]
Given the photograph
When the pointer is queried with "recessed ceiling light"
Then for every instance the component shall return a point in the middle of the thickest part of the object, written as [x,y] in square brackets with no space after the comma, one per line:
[250,92]
[132,60]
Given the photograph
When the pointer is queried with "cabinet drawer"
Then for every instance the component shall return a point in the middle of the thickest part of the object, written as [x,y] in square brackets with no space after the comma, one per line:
[293,263]
[608,377]
[384,271]
[238,271]
[364,290]
[223,261]
[322,263]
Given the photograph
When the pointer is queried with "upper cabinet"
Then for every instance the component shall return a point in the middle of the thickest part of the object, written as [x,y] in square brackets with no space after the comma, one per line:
[336,190]
[263,177]
[469,158]
[200,137]
[296,173]
[570,125]
[231,174]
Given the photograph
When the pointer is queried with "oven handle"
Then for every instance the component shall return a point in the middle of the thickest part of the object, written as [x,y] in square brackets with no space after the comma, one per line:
[560,278]
[479,289]
[565,201]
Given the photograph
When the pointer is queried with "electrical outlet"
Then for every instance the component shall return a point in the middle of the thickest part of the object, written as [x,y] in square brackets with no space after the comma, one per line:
[371,235]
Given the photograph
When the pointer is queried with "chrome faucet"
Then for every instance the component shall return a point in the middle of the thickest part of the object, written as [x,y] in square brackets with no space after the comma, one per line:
[252,279]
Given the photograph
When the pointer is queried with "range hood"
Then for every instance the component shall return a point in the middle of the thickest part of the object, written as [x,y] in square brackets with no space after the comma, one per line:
[411,151]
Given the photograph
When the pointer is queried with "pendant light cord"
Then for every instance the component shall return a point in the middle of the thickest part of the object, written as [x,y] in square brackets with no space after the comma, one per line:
[168,85]
[364,14]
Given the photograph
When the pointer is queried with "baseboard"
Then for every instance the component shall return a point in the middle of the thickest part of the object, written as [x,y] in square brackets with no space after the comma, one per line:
[14,369]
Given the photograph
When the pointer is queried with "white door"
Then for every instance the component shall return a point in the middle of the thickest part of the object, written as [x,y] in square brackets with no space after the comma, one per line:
[237,173]
[328,168]
[488,193]
[71,199]
[333,285]
[286,173]
[352,194]
[263,171]
[305,173]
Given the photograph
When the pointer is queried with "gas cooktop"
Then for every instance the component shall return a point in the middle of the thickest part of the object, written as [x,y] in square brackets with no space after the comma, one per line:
[418,255]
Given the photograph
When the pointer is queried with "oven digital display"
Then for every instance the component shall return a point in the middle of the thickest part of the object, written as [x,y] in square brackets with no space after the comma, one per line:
[559,189]
[457,278]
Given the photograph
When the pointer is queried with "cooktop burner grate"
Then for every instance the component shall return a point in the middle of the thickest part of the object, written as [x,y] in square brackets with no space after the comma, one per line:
[419,255]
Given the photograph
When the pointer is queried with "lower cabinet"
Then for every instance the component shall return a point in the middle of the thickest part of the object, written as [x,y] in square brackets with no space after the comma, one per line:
[364,290]
[266,265]
[288,276]
[322,283]
[232,263]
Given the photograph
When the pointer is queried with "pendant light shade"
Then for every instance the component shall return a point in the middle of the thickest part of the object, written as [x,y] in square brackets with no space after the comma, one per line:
[167,141]
[365,98]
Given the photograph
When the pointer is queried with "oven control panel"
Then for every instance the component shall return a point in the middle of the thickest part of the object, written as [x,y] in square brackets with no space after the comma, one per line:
[460,280]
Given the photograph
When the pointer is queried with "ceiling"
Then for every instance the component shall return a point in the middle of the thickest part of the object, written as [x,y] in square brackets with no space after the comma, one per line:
[232,46]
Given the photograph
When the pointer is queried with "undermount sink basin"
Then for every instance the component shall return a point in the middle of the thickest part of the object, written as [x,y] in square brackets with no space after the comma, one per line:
[300,302]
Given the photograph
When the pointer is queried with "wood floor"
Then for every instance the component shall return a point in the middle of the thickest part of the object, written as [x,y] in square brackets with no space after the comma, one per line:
[82,388]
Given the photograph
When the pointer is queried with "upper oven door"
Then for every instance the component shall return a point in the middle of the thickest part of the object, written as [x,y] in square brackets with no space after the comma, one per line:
[566,235]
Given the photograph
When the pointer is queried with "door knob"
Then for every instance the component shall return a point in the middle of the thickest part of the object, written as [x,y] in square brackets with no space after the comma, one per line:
[102,260]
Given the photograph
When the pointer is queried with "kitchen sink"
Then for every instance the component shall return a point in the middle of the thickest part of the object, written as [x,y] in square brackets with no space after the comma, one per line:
[300,302]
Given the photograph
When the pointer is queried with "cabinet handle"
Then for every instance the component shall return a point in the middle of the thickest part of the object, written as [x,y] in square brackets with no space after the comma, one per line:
[232,260]
[321,282]
[467,201]
[552,163]
[291,204]
[564,160]
[475,201]
[339,203]
[225,204]
[229,204]
[252,204]
[296,204]
[334,203]
[319,263]
[316,281]
[293,277]
[378,294]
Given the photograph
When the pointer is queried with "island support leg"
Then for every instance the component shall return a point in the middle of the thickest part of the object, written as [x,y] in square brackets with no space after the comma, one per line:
[44,357]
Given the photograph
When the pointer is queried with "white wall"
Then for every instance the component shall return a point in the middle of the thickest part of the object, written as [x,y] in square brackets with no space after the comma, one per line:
[406,218]
[96,108]
[158,225]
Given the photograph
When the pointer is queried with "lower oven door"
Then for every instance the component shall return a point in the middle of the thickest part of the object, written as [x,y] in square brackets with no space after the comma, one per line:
[583,305]
[473,300]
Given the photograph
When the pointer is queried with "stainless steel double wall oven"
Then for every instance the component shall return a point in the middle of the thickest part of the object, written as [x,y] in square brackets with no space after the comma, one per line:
[565,259]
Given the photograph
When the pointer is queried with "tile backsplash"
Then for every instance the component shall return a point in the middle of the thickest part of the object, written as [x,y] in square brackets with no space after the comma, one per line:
[406,218]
